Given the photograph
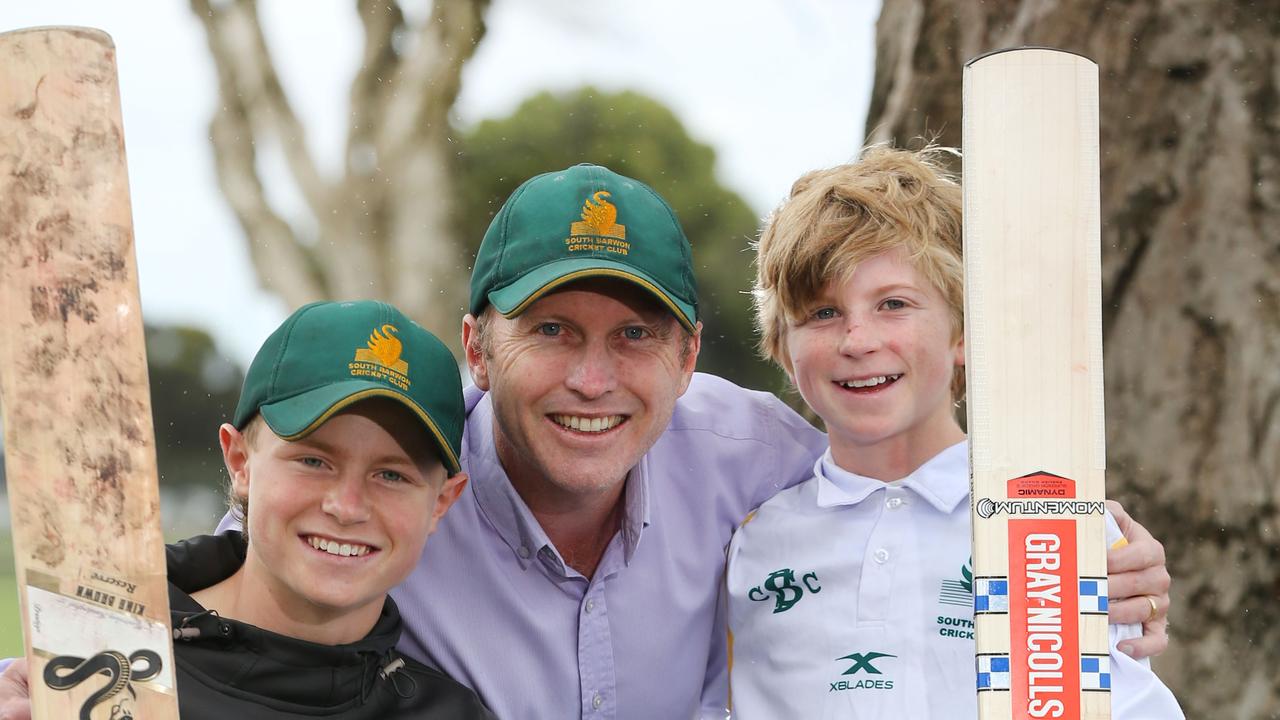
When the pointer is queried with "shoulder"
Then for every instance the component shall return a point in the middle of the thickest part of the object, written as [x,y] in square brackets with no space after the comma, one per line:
[784,514]
[436,695]
[715,405]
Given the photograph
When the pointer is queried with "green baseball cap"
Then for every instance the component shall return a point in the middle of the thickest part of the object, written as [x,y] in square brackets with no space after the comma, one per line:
[583,222]
[329,355]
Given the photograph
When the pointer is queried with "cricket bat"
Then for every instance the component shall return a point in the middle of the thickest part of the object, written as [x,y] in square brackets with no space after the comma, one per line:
[1033,346]
[79,450]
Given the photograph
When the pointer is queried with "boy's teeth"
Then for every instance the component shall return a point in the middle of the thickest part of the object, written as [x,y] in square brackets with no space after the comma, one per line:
[333,547]
[585,424]
[869,382]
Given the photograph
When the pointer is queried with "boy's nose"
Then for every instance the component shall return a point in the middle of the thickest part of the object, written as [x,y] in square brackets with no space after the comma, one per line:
[347,500]
[859,338]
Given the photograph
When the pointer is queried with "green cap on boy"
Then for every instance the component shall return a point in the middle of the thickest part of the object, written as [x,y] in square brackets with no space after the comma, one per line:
[329,355]
[583,222]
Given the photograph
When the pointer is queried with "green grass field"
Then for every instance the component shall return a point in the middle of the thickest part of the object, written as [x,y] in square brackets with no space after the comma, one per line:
[10,616]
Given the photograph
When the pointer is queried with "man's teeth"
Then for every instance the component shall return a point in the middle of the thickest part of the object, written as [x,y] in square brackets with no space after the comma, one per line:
[869,382]
[333,547]
[585,424]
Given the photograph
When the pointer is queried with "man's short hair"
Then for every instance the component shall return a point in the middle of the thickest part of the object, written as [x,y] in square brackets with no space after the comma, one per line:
[835,219]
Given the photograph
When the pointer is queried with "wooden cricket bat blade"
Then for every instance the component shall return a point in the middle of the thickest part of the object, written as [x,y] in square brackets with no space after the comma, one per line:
[1033,344]
[79,448]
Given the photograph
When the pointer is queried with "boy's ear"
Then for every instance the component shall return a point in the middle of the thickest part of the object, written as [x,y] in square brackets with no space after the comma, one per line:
[476,361]
[235,455]
[449,493]
[958,352]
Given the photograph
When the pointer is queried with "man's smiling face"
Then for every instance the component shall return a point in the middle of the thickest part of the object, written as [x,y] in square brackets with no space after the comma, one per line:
[582,383]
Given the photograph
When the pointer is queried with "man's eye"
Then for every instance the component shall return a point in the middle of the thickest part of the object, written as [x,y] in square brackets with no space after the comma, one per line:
[825,313]
[549,329]
[392,476]
[312,462]
[635,333]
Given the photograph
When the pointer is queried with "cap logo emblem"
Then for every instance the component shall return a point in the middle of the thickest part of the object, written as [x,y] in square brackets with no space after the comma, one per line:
[599,229]
[380,358]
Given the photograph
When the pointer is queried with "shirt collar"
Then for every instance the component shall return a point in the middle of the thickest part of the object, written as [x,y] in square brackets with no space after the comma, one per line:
[943,481]
[506,510]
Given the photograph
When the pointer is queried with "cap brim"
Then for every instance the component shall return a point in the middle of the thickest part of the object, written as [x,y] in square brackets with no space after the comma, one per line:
[516,297]
[298,416]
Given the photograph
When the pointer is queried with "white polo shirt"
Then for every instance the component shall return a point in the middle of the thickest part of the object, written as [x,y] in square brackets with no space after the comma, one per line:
[849,597]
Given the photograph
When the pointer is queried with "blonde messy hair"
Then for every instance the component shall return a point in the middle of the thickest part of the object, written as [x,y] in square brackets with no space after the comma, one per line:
[835,219]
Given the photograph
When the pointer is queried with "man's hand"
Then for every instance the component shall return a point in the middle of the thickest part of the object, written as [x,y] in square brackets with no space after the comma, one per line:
[15,702]
[1138,585]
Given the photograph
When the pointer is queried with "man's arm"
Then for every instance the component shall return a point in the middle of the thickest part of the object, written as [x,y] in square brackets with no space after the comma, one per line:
[15,703]
[1138,583]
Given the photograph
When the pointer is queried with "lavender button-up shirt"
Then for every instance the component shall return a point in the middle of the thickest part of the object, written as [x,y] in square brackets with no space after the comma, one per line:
[494,605]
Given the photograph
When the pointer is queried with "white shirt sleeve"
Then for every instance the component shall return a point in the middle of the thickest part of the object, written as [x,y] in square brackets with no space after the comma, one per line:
[1136,692]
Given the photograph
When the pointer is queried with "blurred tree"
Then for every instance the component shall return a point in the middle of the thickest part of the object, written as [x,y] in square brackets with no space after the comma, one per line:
[640,137]
[194,389]
[376,231]
[1191,211]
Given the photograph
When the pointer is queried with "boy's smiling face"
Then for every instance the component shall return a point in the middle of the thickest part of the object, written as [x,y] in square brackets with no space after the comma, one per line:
[874,357]
[337,518]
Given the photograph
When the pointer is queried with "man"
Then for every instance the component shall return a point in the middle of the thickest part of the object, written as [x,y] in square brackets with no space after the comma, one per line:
[606,476]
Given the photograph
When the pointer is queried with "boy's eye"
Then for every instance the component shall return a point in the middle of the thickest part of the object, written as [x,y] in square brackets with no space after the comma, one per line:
[549,329]
[893,304]
[312,462]
[825,313]
[392,476]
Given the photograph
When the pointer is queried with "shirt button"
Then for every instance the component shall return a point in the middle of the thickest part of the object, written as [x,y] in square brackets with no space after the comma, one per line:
[523,552]
[591,605]
[894,503]
[597,701]
[882,556]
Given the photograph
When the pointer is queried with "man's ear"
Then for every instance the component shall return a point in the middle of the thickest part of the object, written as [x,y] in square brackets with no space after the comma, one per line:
[235,455]
[691,357]
[449,493]
[477,364]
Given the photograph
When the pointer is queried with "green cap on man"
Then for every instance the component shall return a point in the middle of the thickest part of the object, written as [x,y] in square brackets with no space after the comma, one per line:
[329,355]
[583,222]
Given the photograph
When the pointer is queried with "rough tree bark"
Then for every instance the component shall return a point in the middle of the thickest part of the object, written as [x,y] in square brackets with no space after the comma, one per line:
[1191,261]
[382,229]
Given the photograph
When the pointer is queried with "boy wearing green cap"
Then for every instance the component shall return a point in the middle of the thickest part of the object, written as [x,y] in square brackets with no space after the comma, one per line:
[343,456]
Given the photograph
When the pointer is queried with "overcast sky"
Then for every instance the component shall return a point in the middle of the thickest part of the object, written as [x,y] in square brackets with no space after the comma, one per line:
[776,87]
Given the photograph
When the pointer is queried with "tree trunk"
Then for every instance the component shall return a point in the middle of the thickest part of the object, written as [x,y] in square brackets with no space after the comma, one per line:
[1191,266]
[383,229]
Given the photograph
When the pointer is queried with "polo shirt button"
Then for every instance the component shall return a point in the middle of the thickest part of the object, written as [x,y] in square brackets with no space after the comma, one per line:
[523,552]
[882,556]
[597,701]
[894,503]
[591,605]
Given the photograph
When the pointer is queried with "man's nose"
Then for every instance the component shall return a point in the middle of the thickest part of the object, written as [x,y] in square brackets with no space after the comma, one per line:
[594,371]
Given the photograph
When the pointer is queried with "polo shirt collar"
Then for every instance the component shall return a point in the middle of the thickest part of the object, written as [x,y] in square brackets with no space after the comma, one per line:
[499,502]
[943,481]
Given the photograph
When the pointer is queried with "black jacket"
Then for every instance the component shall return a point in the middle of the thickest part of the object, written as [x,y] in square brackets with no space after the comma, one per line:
[228,669]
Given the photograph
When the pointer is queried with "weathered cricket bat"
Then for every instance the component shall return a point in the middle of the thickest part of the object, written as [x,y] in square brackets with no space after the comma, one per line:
[79,449]
[1033,341]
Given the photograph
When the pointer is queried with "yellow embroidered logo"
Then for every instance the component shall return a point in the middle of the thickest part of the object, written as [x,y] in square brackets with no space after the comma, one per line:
[380,358]
[599,229]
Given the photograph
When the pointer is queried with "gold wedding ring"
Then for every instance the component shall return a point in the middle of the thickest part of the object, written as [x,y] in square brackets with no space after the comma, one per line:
[1155,610]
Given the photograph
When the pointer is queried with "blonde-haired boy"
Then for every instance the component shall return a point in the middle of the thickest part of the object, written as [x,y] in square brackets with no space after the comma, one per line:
[849,595]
